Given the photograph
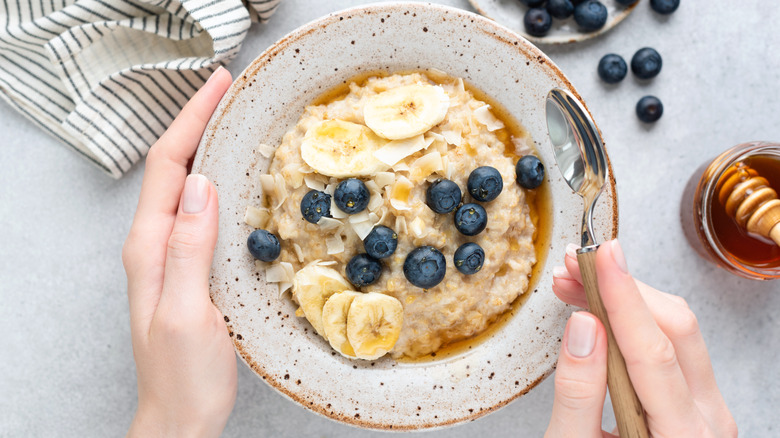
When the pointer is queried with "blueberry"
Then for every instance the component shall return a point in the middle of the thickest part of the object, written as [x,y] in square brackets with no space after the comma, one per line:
[649,109]
[560,8]
[664,7]
[590,15]
[315,205]
[363,270]
[612,68]
[627,2]
[537,21]
[469,258]
[351,196]
[425,267]
[443,196]
[485,183]
[470,219]
[381,242]
[646,63]
[532,3]
[530,172]
[263,245]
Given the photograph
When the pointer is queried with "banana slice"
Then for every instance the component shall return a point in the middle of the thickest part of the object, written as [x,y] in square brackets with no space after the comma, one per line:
[406,111]
[334,321]
[374,324]
[342,149]
[312,286]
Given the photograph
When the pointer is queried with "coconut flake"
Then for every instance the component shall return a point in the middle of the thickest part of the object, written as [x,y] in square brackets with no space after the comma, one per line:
[362,228]
[400,192]
[284,286]
[426,165]
[335,211]
[328,223]
[396,150]
[267,184]
[384,178]
[359,217]
[400,225]
[335,244]
[313,182]
[452,137]
[298,252]
[418,228]
[376,202]
[373,218]
[292,173]
[281,190]
[278,272]
[484,116]
[401,167]
[256,217]
[461,86]
[265,150]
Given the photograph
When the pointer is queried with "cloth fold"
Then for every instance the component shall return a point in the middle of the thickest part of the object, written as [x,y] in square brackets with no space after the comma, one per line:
[107,77]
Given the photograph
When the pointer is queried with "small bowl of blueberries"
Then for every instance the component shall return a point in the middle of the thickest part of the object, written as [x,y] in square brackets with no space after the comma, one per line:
[564,21]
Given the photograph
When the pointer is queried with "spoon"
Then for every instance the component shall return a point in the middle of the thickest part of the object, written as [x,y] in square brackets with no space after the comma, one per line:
[581,158]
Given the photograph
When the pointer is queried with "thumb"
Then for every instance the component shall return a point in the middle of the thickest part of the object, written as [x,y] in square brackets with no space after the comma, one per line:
[580,379]
[191,246]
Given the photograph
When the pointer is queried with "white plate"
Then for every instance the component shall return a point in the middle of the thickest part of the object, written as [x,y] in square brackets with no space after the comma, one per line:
[266,100]
[510,13]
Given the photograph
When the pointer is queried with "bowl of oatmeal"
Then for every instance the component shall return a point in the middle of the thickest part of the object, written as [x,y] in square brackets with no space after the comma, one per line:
[392,303]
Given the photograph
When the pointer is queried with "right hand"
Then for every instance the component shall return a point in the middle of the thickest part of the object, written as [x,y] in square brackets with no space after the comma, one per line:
[664,351]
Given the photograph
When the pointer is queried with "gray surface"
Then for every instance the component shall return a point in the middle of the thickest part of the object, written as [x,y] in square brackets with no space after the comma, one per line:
[66,365]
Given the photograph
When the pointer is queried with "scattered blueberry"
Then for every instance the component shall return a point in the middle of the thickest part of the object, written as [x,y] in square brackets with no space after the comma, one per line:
[381,242]
[363,270]
[537,21]
[627,2]
[649,109]
[664,7]
[425,267]
[532,3]
[315,205]
[351,196]
[263,245]
[612,68]
[443,196]
[470,219]
[560,8]
[646,63]
[469,258]
[590,15]
[485,183]
[530,172]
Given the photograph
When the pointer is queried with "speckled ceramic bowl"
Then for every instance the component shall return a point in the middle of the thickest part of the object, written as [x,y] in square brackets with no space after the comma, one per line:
[510,13]
[266,100]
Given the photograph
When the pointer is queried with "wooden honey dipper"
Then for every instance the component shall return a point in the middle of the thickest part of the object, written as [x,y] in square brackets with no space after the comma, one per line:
[750,200]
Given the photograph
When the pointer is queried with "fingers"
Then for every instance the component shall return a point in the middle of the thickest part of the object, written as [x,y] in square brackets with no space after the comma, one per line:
[580,379]
[676,321]
[166,168]
[191,250]
[650,356]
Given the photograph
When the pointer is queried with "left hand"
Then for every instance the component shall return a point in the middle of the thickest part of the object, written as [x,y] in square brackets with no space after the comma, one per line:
[184,357]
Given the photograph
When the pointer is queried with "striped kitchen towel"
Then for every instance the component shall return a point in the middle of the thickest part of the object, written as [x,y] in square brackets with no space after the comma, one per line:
[107,77]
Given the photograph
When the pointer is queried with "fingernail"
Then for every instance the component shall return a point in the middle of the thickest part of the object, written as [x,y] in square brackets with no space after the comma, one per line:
[220,68]
[196,194]
[582,335]
[560,272]
[571,250]
[617,255]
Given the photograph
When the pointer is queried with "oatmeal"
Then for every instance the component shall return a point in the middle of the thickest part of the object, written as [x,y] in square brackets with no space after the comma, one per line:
[394,150]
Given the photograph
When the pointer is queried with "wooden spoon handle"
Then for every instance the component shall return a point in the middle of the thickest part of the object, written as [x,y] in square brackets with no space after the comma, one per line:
[629,414]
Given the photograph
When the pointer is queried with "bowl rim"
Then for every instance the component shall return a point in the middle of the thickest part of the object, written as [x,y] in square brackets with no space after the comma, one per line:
[501,33]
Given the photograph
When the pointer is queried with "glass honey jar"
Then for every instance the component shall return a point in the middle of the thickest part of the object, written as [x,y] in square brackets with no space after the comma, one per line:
[727,210]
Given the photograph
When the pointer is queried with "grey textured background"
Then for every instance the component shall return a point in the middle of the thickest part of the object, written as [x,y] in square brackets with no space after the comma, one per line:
[66,365]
